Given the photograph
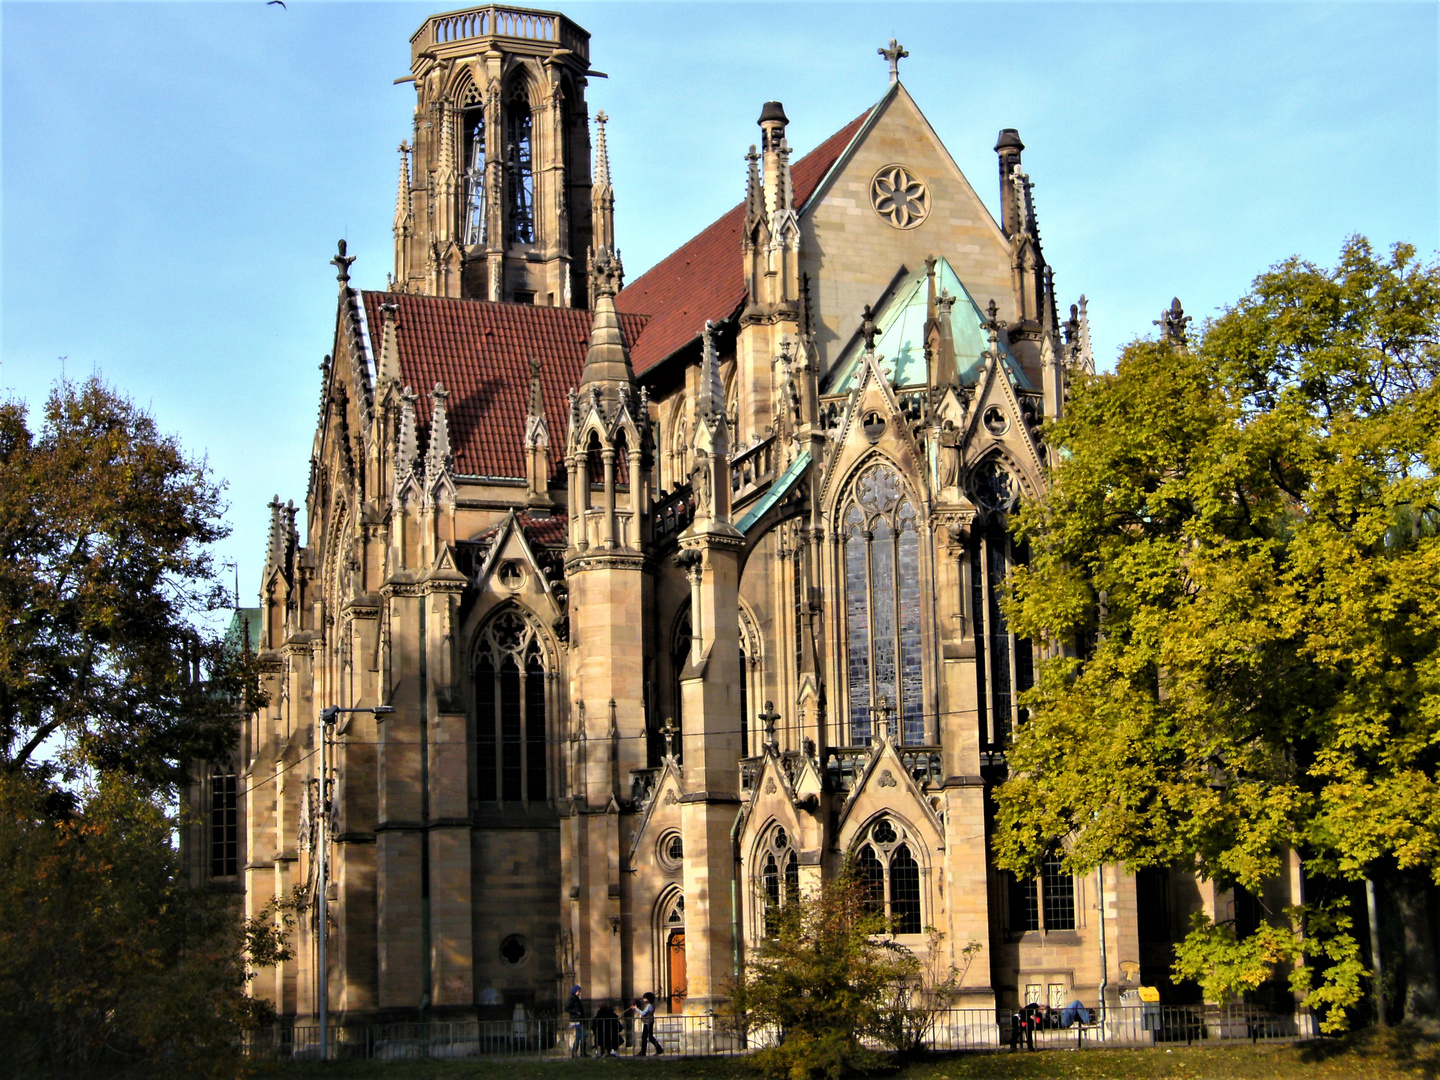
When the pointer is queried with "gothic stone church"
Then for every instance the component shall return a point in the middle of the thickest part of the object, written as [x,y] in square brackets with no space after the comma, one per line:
[682,589]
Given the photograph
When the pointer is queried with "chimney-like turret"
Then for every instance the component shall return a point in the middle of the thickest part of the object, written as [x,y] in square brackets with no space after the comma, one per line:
[1009,147]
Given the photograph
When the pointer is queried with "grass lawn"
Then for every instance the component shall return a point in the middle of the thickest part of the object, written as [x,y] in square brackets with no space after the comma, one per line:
[1369,1056]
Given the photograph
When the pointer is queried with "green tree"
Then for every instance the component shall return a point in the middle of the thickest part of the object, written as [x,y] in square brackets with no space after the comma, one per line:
[105,565]
[1235,578]
[108,961]
[822,981]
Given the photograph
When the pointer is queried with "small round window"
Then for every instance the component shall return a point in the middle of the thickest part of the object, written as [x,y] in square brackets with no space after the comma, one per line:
[995,421]
[512,575]
[513,949]
[671,850]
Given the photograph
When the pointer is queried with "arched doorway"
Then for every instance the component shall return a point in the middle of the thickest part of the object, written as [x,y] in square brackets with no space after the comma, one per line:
[672,931]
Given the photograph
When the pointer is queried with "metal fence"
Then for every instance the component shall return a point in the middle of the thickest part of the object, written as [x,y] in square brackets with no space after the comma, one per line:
[718,1035]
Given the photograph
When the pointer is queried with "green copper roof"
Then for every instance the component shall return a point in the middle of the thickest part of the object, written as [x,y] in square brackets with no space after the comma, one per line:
[776,492]
[900,337]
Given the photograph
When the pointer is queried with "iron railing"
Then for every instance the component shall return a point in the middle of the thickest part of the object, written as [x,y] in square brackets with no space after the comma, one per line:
[712,1035]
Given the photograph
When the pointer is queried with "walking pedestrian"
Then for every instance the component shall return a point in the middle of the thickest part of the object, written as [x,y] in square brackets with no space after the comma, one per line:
[647,1024]
[575,1010]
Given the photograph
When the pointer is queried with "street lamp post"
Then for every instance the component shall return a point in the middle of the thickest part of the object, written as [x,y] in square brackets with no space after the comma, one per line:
[322,848]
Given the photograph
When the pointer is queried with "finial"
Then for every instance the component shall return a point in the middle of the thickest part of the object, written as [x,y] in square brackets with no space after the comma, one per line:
[342,262]
[711,401]
[944,302]
[602,152]
[885,717]
[537,401]
[669,731]
[768,718]
[1172,323]
[867,328]
[895,53]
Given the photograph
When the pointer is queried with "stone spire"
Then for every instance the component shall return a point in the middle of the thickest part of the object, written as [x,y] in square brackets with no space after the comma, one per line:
[437,454]
[402,192]
[536,433]
[607,364]
[407,446]
[754,193]
[710,402]
[602,195]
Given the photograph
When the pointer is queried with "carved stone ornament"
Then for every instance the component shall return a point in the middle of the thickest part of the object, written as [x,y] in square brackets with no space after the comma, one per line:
[670,798]
[770,786]
[887,778]
[880,489]
[899,197]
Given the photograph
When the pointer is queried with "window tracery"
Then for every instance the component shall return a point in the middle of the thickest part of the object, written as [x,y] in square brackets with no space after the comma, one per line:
[475,206]
[884,670]
[510,710]
[890,874]
[777,876]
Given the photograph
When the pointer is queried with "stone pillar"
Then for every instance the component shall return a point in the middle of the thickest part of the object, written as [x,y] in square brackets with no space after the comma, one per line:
[711,734]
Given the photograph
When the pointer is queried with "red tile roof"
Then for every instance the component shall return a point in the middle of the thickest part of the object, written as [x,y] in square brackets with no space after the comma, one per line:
[544,532]
[481,351]
[704,279]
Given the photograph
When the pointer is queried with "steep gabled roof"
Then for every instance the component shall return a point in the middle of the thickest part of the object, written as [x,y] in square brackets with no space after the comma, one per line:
[481,351]
[705,278]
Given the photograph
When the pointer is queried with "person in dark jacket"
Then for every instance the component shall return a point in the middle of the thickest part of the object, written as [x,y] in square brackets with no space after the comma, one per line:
[607,1031]
[575,1010]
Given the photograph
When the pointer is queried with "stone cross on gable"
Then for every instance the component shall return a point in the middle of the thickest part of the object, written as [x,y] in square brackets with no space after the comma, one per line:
[768,718]
[895,53]
[601,118]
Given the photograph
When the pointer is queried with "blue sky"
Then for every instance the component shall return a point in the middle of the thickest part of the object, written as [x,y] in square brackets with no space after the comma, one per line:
[175,175]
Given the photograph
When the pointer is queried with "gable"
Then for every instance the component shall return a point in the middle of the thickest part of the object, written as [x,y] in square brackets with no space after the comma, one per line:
[704,279]
[850,252]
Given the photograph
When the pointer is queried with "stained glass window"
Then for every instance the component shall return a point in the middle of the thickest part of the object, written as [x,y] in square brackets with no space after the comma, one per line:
[857,619]
[872,877]
[510,714]
[883,609]
[904,892]
[778,878]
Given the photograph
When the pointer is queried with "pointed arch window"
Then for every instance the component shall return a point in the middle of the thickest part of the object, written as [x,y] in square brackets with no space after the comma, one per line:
[519,166]
[510,711]
[778,878]
[889,873]
[1004,662]
[474,143]
[884,669]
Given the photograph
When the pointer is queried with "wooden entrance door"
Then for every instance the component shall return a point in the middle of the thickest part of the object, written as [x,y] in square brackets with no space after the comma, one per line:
[676,947]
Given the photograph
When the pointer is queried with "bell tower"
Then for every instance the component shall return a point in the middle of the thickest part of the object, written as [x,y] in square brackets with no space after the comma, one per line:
[494,193]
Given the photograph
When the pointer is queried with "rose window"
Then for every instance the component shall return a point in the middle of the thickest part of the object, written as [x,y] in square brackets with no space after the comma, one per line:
[899,197]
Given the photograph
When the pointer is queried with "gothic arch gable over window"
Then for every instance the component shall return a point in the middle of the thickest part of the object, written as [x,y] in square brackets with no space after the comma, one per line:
[880,567]
[512,670]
